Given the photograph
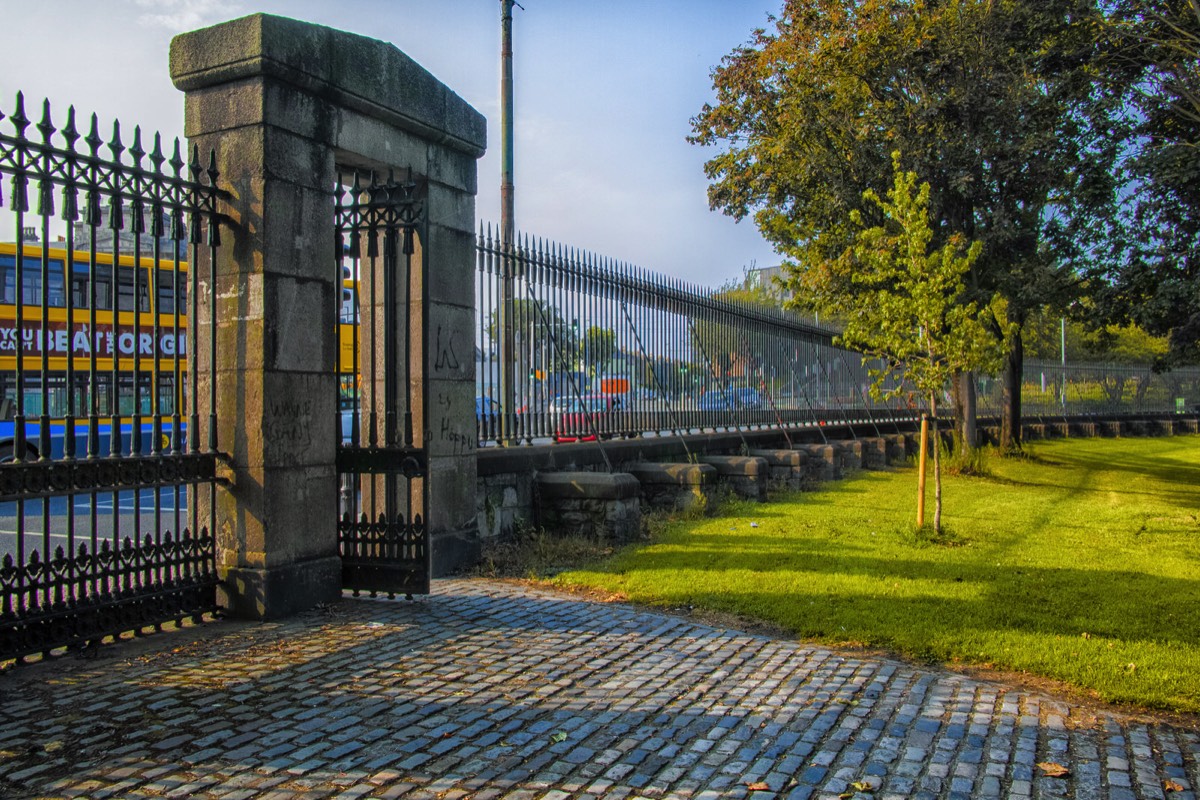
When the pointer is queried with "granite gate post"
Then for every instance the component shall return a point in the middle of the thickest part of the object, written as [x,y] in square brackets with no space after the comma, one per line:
[285,105]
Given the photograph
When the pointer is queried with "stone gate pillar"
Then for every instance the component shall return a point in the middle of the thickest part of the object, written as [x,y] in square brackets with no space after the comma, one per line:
[285,104]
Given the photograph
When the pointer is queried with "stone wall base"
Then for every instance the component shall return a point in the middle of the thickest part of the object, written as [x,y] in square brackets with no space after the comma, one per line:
[277,592]
[677,487]
[745,476]
[596,505]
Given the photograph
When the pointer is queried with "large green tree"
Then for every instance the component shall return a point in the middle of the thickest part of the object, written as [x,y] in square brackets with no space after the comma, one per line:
[996,103]
[1158,286]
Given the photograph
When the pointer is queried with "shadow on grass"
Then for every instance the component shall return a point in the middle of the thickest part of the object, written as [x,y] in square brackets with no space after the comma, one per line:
[1119,604]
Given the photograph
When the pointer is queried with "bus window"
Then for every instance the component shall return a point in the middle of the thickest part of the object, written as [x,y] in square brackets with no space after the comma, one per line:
[168,294]
[31,282]
[79,288]
[56,395]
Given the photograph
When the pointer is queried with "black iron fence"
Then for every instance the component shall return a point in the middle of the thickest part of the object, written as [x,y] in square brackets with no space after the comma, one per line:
[573,346]
[1073,389]
[100,424]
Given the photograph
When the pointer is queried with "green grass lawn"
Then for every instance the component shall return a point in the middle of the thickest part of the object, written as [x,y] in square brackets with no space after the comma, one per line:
[1080,563]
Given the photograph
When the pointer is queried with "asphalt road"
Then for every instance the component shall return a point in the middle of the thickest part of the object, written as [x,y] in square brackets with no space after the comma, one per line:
[113,522]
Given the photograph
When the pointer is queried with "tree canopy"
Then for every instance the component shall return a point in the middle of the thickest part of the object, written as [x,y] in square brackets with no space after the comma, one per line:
[1158,284]
[996,103]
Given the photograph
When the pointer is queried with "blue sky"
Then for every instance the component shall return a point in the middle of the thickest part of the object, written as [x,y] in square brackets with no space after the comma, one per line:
[604,97]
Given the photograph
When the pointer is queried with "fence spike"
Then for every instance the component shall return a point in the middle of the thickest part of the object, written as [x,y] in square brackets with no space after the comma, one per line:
[135,150]
[18,119]
[156,153]
[93,138]
[115,146]
[176,161]
[46,126]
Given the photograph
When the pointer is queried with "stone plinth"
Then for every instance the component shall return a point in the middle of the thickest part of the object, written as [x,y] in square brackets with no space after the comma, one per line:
[676,487]
[785,469]
[875,452]
[823,462]
[599,505]
[897,448]
[745,476]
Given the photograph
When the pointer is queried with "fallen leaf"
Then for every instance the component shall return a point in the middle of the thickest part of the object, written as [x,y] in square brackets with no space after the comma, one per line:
[862,786]
[558,736]
[758,786]
[1052,770]
[1172,786]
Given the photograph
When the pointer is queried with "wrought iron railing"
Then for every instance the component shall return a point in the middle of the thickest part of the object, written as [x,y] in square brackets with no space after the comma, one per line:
[572,346]
[100,422]
[1054,389]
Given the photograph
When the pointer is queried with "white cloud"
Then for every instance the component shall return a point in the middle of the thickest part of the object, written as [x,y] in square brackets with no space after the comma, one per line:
[185,15]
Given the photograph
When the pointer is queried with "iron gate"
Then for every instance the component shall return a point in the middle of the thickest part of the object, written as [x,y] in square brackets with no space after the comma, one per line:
[101,453]
[383,539]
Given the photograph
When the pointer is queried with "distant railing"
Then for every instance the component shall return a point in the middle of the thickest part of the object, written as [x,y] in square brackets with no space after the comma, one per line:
[1053,389]
[572,346]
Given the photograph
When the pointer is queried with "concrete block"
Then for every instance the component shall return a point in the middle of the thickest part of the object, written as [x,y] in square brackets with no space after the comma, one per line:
[785,469]
[676,487]
[598,505]
[746,476]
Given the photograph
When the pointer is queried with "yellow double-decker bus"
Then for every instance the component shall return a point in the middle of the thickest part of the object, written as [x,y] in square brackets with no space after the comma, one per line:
[78,357]
[66,351]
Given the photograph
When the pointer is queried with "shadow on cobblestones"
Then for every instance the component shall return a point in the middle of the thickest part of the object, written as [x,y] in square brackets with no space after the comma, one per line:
[489,689]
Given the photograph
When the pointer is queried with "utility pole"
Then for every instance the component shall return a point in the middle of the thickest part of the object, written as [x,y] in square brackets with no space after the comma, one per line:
[507,226]
[507,232]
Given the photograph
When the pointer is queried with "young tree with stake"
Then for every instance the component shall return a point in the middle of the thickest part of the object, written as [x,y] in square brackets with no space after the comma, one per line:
[908,306]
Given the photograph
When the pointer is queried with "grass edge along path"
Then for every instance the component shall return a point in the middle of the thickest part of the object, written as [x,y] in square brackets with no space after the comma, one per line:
[1079,563]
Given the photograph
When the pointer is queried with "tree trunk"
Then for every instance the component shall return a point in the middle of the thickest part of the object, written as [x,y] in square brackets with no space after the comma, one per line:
[1010,411]
[966,433]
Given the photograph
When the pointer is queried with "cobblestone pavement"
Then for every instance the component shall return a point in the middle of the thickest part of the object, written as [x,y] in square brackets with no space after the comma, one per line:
[486,689]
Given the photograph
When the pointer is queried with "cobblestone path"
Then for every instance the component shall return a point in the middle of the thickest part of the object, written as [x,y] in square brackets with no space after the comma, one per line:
[486,689]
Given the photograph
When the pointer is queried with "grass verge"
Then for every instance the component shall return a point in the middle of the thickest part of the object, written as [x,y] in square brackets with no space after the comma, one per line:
[1079,563]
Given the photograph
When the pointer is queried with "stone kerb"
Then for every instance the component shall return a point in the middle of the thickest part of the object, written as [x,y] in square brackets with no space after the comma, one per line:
[897,448]
[785,469]
[285,105]
[824,462]
[745,476]
[676,487]
[598,505]
[875,452]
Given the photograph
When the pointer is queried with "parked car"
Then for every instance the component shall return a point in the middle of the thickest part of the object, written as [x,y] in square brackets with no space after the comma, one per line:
[582,419]
[486,406]
[715,400]
[730,399]
[747,397]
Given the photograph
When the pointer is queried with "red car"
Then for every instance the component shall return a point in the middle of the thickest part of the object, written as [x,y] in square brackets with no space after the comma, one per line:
[583,419]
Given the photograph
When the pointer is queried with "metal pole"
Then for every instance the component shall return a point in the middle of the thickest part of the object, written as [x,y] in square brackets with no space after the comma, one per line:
[507,231]
[1063,351]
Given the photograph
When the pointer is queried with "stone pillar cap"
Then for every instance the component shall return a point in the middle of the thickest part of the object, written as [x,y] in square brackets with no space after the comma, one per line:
[366,75]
